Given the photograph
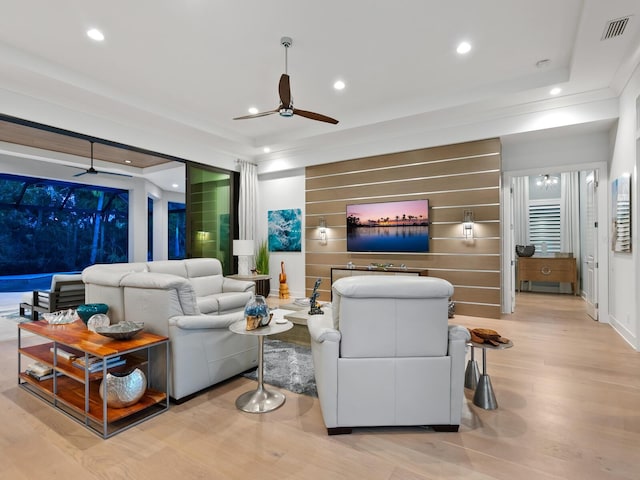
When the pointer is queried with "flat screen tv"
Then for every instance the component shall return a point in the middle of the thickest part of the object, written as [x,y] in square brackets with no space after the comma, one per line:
[399,227]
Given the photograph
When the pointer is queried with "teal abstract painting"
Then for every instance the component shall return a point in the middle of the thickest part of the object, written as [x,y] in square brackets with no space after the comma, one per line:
[285,230]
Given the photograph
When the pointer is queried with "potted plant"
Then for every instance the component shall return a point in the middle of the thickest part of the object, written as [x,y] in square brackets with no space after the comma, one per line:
[262,258]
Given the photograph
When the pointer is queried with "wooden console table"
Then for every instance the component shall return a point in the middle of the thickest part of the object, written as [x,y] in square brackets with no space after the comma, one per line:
[340,272]
[547,269]
[75,391]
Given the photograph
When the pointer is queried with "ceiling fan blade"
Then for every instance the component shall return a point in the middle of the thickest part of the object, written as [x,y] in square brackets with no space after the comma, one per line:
[284,88]
[93,171]
[256,115]
[314,116]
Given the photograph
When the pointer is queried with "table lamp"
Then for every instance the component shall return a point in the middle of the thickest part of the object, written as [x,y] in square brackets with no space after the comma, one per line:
[243,249]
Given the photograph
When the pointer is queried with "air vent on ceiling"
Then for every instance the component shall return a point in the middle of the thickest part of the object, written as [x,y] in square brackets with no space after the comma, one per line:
[615,28]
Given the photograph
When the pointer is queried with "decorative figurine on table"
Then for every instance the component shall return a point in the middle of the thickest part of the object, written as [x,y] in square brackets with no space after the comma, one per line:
[284,288]
[313,300]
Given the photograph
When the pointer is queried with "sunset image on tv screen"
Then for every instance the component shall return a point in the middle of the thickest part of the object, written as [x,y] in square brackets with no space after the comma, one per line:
[388,227]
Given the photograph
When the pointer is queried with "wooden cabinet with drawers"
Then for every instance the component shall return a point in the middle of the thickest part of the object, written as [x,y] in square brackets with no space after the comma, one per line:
[548,269]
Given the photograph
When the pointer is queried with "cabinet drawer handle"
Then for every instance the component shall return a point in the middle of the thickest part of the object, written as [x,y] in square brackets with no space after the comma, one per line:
[545,270]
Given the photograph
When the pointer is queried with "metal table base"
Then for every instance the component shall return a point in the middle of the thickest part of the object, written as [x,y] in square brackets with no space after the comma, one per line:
[260,400]
[483,396]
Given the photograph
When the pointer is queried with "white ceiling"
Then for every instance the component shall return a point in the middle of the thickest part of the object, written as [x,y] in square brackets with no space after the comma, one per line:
[184,69]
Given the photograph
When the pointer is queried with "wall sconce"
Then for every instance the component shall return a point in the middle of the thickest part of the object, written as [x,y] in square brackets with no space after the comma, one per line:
[202,236]
[243,249]
[323,231]
[467,224]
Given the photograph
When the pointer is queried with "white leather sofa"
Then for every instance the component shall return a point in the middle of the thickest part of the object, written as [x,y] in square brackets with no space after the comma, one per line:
[189,301]
[388,357]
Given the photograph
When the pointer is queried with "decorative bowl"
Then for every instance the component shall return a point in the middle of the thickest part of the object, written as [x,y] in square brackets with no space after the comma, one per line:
[98,320]
[86,311]
[525,250]
[121,331]
[60,317]
[123,389]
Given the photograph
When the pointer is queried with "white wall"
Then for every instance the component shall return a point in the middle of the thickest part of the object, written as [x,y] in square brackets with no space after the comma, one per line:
[280,192]
[552,155]
[624,270]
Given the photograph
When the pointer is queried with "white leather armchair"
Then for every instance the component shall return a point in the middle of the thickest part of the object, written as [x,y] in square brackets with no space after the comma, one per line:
[388,357]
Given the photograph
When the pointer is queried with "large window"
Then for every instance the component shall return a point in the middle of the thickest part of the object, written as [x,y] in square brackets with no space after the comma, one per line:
[177,222]
[53,226]
[544,225]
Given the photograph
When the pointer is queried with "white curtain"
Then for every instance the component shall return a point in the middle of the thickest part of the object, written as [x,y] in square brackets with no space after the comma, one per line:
[570,217]
[248,203]
[521,210]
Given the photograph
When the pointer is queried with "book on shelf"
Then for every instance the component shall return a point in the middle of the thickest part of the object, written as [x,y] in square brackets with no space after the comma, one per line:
[39,377]
[63,353]
[95,364]
[39,368]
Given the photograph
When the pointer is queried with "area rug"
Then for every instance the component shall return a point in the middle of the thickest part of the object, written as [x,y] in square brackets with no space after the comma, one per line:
[288,366]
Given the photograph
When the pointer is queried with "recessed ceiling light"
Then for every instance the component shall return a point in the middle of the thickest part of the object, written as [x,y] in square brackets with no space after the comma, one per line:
[555,90]
[339,85]
[95,34]
[127,161]
[463,47]
[175,185]
[266,149]
[253,110]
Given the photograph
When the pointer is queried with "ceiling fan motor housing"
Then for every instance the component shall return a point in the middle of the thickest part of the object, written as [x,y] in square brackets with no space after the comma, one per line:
[286,42]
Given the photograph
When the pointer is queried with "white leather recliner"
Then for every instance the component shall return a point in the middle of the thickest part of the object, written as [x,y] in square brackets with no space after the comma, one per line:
[388,357]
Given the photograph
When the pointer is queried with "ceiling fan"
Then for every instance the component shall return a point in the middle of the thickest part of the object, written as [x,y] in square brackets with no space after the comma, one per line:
[93,171]
[286,102]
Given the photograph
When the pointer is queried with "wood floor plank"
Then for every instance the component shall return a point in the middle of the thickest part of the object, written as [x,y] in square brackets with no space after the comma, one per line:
[568,395]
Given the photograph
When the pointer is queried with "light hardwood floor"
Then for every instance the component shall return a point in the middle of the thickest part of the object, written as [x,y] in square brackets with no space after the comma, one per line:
[569,408]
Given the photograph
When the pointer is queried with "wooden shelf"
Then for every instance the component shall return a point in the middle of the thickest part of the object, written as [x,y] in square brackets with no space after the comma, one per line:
[43,354]
[73,382]
[71,393]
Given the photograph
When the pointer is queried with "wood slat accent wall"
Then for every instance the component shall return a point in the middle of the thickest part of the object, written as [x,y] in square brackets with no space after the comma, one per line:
[453,178]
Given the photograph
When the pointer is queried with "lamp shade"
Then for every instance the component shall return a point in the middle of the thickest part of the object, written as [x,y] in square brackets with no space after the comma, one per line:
[243,247]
